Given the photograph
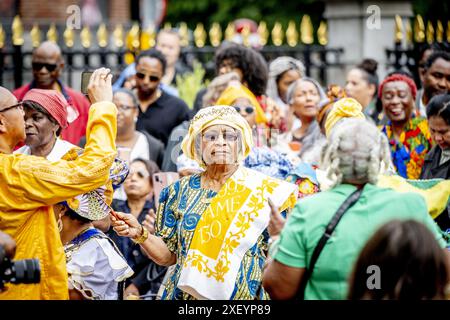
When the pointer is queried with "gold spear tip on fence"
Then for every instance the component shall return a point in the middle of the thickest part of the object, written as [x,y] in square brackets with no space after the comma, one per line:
[292,34]
[69,36]
[215,34]
[199,35]
[52,33]
[398,29]
[419,29]
[322,33]
[183,32]
[17,31]
[409,34]
[85,36]
[277,34]
[246,35]
[132,40]
[118,36]
[448,31]
[230,32]
[35,34]
[167,26]
[306,29]
[263,33]
[102,36]
[148,37]
[439,32]
[2,37]
[430,33]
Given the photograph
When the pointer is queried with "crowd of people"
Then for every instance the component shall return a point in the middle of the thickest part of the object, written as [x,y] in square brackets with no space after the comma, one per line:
[272,186]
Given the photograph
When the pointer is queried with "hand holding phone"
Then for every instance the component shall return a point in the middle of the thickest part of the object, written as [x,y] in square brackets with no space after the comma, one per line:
[99,87]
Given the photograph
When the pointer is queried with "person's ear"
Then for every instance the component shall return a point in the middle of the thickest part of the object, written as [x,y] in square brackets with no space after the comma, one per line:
[422,72]
[2,124]
[372,89]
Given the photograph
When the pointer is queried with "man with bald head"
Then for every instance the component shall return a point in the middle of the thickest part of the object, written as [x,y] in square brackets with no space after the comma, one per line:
[47,65]
[30,186]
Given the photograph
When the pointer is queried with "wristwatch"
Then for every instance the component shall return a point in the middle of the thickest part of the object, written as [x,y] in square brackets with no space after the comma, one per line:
[142,237]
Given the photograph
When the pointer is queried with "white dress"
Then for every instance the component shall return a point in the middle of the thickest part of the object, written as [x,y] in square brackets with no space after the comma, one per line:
[95,269]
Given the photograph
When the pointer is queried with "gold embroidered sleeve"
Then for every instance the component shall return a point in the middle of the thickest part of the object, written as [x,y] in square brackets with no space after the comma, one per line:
[36,181]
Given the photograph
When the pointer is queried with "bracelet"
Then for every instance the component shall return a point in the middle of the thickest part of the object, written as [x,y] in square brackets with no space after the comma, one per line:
[143,236]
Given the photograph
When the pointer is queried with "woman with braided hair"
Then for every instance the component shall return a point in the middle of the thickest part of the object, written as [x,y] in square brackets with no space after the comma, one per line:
[354,154]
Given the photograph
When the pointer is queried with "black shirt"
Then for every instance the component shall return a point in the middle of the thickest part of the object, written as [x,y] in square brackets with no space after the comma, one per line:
[162,116]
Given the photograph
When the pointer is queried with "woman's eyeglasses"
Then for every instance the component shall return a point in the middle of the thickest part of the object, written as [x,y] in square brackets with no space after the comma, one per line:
[248,109]
[124,107]
[37,66]
[142,76]
[140,173]
[17,105]
[214,136]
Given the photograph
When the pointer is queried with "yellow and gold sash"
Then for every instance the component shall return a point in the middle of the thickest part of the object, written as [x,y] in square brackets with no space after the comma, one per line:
[228,228]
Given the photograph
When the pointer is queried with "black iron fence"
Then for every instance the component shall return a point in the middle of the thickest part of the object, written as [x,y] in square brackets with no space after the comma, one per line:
[118,50]
[410,43]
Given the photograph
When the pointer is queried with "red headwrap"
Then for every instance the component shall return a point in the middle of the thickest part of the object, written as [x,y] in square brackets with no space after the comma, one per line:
[399,77]
[52,101]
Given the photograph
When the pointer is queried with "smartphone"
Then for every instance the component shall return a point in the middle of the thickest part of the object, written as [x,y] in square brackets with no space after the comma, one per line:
[85,77]
[162,180]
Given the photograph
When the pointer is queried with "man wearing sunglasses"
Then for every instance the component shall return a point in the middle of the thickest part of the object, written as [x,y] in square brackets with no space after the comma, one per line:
[160,112]
[47,65]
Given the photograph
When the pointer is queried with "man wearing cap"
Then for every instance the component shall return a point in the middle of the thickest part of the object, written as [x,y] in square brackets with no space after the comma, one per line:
[30,186]
[47,64]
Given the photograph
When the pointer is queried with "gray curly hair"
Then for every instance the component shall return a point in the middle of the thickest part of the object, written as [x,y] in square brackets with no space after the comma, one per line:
[279,66]
[355,153]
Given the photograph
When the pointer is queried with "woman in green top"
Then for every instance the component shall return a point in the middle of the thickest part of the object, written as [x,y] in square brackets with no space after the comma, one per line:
[353,156]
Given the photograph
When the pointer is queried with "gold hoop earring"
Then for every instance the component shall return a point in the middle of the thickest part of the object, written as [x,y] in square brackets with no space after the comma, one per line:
[60,223]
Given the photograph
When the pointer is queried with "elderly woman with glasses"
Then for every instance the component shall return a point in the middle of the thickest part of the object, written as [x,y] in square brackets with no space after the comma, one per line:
[261,158]
[212,225]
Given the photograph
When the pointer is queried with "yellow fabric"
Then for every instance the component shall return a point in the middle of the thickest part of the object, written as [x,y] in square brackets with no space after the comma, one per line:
[216,115]
[436,197]
[343,108]
[232,93]
[31,185]
[228,228]
[72,155]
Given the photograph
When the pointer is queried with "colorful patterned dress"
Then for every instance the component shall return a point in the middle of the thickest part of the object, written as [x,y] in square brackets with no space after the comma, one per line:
[409,152]
[180,209]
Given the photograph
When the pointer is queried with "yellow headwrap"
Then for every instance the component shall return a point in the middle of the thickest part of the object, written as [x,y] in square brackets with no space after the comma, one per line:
[233,92]
[217,115]
[343,108]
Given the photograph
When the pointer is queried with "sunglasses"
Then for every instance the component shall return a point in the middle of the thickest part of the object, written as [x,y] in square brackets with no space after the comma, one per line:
[18,105]
[140,173]
[214,136]
[37,66]
[142,76]
[248,109]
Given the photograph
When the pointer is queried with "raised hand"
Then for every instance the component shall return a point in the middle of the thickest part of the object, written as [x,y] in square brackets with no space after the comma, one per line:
[149,222]
[100,86]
